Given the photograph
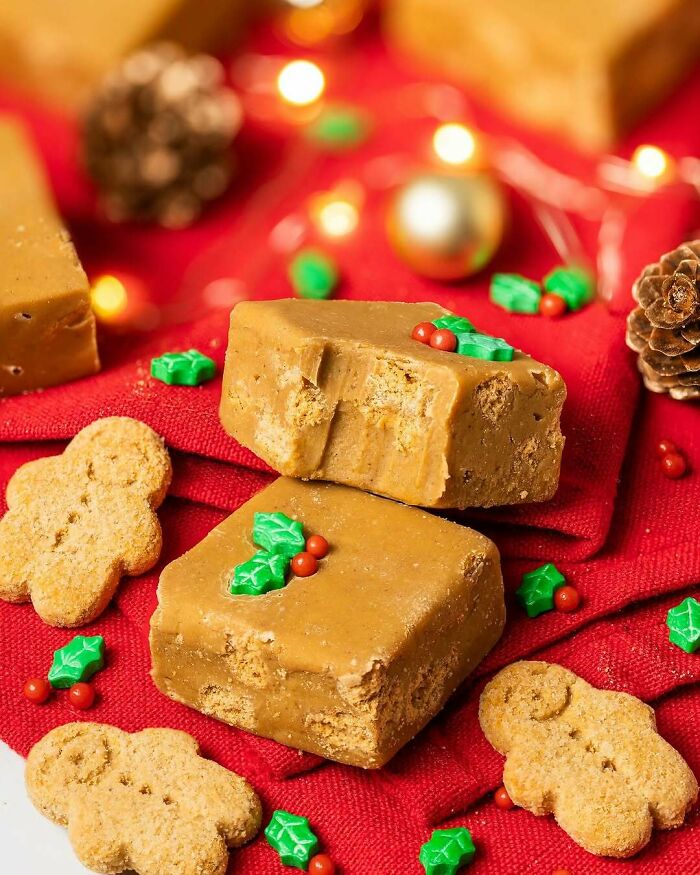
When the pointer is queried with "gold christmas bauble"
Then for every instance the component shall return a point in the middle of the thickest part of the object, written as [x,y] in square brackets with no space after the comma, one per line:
[447,226]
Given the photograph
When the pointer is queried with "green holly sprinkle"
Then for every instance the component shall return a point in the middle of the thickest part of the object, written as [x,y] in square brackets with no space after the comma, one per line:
[313,274]
[261,574]
[575,285]
[189,368]
[277,533]
[483,346]
[456,324]
[515,293]
[683,623]
[292,838]
[77,661]
[447,851]
[536,592]
[338,128]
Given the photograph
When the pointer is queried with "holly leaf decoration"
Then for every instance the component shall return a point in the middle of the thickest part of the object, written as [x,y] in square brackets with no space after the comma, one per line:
[483,346]
[277,533]
[515,293]
[77,661]
[291,836]
[683,623]
[575,286]
[447,851]
[536,592]
[456,324]
[189,368]
[264,572]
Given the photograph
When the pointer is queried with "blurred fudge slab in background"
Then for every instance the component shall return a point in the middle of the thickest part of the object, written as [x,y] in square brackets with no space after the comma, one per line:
[61,50]
[585,69]
[47,329]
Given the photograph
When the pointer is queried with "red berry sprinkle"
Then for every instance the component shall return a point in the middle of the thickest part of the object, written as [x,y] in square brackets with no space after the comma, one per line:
[317,545]
[321,864]
[37,690]
[503,800]
[304,564]
[566,599]
[673,465]
[665,446]
[444,340]
[423,332]
[552,305]
[81,696]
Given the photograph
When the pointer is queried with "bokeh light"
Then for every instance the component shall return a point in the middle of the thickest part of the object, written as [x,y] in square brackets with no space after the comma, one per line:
[301,83]
[650,161]
[454,144]
[109,298]
[338,218]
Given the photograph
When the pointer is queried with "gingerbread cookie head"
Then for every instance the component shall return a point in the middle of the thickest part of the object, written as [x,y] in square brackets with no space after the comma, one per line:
[78,522]
[591,757]
[145,802]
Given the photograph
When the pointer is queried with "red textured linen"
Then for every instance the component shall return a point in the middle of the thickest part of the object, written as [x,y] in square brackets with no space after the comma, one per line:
[620,531]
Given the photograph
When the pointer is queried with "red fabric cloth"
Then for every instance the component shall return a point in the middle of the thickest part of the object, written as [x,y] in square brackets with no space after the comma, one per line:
[620,531]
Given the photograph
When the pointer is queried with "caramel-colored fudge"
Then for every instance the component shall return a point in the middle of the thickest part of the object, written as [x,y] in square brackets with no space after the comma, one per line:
[349,663]
[61,49]
[586,69]
[338,390]
[47,328]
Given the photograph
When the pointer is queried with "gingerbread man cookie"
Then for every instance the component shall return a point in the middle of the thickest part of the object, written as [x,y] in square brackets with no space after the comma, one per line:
[78,522]
[145,801]
[592,758]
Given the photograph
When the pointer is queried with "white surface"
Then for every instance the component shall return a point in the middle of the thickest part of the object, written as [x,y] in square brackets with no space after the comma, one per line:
[31,844]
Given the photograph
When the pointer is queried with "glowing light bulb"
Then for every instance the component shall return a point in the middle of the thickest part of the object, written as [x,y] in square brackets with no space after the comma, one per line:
[454,143]
[301,82]
[304,4]
[109,297]
[338,218]
[650,161]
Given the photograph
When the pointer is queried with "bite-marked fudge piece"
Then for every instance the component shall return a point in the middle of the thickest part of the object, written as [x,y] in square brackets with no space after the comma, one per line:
[47,329]
[586,69]
[350,662]
[339,390]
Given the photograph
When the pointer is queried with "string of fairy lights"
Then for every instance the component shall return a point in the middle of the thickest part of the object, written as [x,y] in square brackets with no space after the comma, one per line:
[294,92]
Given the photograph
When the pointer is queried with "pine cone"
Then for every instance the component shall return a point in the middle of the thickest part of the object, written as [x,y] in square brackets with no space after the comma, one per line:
[157,136]
[665,327]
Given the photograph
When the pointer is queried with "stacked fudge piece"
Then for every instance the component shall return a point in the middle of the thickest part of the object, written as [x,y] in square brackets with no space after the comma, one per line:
[321,615]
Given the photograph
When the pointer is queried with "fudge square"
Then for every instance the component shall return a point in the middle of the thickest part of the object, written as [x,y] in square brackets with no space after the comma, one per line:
[47,329]
[338,390]
[350,662]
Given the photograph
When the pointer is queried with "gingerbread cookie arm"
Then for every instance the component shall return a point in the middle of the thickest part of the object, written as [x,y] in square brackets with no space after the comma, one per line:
[21,488]
[138,538]
[16,555]
[95,833]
